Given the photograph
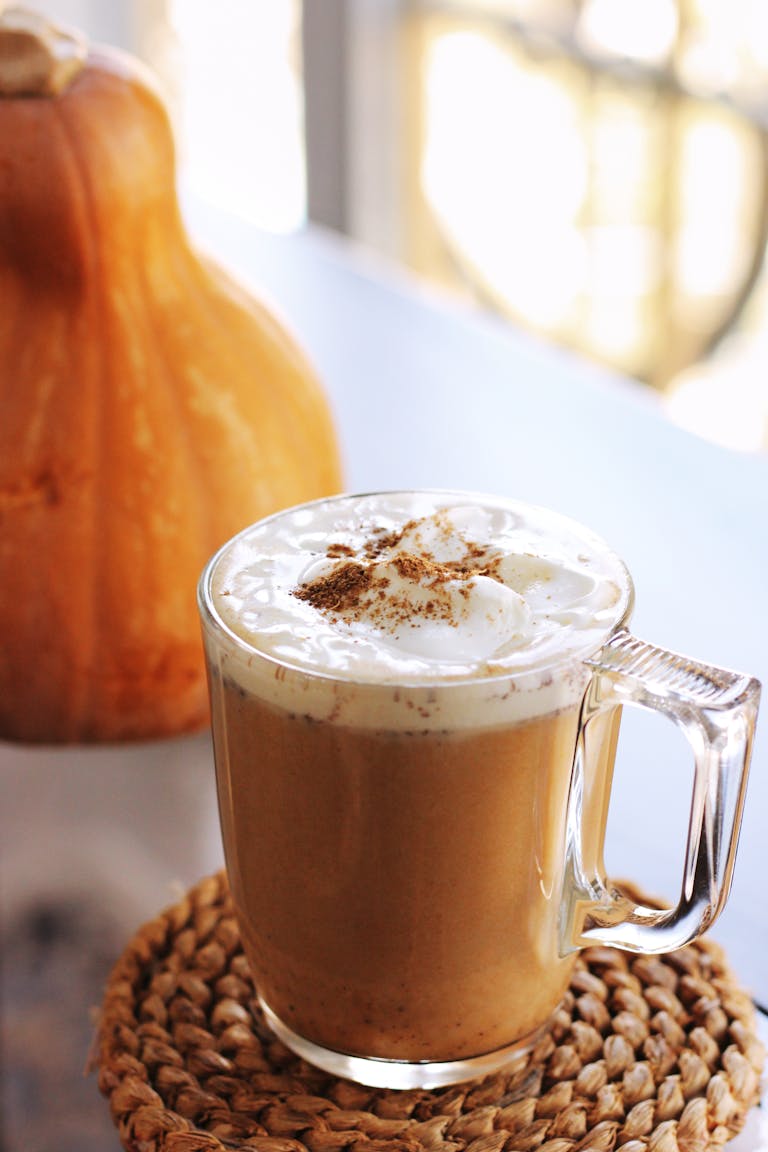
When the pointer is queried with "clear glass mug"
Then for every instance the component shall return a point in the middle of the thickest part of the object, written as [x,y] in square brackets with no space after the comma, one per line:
[412,892]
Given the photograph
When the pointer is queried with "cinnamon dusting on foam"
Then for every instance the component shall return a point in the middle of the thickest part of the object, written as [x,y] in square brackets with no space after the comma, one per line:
[357,589]
[339,591]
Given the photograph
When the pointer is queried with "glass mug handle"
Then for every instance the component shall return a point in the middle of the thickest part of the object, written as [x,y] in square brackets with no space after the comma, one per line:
[717,711]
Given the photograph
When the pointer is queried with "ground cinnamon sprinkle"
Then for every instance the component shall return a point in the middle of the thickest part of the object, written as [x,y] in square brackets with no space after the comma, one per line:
[421,570]
[336,550]
[354,584]
[382,541]
[338,590]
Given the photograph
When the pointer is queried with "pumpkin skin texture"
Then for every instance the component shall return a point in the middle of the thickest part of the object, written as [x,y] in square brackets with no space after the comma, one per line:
[149,409]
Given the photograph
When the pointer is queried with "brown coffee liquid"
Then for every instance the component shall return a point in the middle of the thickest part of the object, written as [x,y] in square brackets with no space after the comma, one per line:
[398,892]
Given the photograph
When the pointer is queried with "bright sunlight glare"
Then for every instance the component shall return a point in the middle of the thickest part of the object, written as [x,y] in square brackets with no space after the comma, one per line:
[241,134]
[644,31]
[513,197]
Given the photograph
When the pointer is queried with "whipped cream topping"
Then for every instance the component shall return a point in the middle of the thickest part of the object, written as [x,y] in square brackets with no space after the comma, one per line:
[418,589]
[418,607]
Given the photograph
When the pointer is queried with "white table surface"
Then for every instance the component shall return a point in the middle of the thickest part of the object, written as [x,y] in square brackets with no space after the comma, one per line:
[430,393]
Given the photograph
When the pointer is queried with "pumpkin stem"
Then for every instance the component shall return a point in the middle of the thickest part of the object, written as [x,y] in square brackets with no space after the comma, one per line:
[36,57]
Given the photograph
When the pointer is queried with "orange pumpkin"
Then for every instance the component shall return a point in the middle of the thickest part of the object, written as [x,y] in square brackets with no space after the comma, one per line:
[149,407]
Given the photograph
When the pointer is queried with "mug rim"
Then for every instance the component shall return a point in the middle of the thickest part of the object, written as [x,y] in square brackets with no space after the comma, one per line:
[213,623]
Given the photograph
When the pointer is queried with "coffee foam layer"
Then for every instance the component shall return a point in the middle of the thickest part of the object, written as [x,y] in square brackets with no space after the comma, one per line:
[415,610]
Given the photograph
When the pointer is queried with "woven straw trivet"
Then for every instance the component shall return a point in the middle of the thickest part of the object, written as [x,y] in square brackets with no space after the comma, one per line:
[647,1053]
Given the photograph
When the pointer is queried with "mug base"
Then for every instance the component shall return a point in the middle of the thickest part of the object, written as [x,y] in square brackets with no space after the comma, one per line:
[382,1073]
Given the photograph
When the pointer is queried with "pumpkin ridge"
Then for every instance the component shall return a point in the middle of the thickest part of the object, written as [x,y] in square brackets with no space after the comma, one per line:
[303,413]
[45,476]
[274,423]
[250,443]
[260,432]
[194,463]
[27,483]
[164,462]
[84,687]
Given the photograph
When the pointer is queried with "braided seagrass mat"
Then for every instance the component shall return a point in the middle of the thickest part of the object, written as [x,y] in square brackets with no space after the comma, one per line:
[650,1054]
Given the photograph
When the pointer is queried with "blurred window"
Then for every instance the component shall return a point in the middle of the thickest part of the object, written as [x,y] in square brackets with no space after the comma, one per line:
[594,168]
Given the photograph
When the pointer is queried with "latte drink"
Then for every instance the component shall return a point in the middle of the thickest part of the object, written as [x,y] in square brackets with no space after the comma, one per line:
[396,684]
